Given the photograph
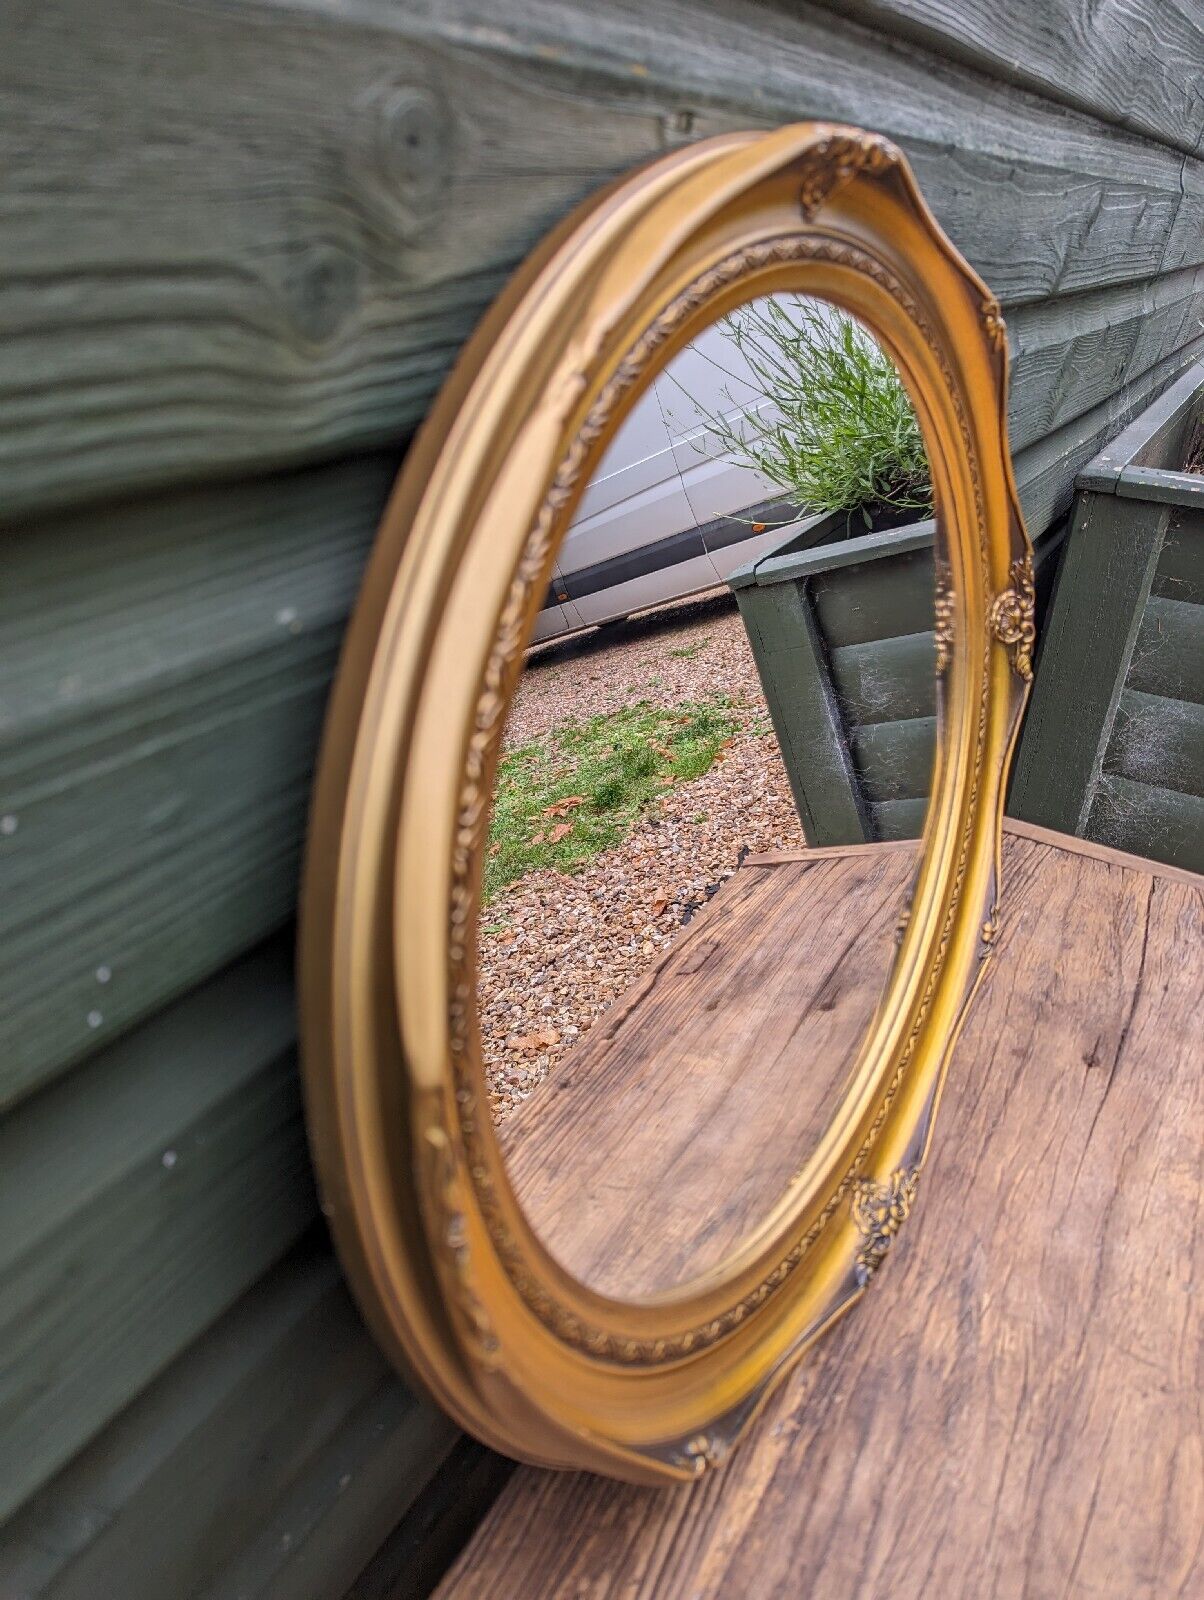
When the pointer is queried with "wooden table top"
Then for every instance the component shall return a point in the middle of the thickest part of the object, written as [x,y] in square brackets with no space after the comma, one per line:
[1016,1409]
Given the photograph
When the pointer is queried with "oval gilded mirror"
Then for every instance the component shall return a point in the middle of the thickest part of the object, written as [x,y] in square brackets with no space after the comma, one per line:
[654,852]
[670,1000]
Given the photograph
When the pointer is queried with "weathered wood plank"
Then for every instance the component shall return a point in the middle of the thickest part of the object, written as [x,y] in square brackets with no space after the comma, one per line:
[1180,574]
[166,670]
[886,680]
[276,250]
[141,1197]
[675,1125]
[1046,471]
[898,819]
[171,1496]
[1128,65]
[1155,438]
[877,600]
[972,1427]
[1167,659]
[894,759]
[1144,817]
[1158,741]
[1076,352]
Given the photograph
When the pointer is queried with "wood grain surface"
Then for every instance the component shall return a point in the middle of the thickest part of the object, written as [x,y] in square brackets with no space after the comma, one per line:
[678,1121]
[1013,1412]
[239,234]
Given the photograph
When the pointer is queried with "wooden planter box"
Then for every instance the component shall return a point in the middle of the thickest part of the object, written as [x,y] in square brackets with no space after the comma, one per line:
[843,640]
[1113,745]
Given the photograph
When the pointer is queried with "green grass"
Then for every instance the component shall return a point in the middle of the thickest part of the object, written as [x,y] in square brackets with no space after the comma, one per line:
[600,775]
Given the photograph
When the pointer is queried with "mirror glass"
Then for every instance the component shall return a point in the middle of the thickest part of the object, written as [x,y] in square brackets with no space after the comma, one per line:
[736,657]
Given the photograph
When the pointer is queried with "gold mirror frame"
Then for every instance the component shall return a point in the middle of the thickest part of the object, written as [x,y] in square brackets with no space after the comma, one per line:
[456,1286]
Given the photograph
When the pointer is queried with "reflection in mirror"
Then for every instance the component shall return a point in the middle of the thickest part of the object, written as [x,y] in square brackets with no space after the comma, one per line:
[672,992]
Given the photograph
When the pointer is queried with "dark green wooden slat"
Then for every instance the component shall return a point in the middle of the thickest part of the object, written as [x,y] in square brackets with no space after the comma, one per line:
[169,1473]
[899,819]
[1106,573]
[1162,824]
[846,554]
[345,1504]
[163,905]
[886,680]
[1158,741]
[146,1193]
[254,295]
[1168,658]
[166,669]
[1180,571]
[894,759]
[1156,483]
[879,600]
[791,661]
[256,1433]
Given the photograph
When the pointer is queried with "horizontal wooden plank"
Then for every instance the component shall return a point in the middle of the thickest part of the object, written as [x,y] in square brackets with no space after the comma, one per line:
[322,1534]
[886,680]
[898,819]
[1075,352]
[894,759]
[985,1422]
[1046,471]
[1149,821]
[142,1196]
[877,600]
[1180,571]
[167,665]
[1168,487]
[1168,658]
[1158,741]
[1126,65]
[275,244]
[175,1495]
[1155,437]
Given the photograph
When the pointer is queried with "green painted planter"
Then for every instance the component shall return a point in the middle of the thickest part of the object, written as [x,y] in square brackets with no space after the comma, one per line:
[843,640]
[1113,746]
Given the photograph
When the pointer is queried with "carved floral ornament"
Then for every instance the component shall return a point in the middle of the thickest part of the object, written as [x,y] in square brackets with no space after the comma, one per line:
[446,1267]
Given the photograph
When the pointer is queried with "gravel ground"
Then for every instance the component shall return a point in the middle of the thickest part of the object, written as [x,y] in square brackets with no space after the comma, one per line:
[555,949]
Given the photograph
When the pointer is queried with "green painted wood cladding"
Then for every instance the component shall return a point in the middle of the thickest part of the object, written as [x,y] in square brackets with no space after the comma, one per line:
[1116,753]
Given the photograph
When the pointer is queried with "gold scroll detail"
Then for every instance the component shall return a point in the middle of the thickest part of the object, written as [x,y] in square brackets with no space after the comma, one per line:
[880,1210]
[702,1452]
[945,609]
[837,160]
[442,1193]
[1012,618]
[993,323]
